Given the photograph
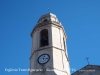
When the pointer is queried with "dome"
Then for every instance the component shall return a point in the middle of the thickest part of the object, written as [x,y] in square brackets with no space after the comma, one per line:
[48,17]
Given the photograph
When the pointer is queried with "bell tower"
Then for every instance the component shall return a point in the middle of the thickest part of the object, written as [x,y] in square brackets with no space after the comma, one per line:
[49,53]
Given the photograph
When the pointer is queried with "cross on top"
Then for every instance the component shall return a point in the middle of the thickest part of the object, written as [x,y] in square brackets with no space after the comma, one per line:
[87,58]
[48,10]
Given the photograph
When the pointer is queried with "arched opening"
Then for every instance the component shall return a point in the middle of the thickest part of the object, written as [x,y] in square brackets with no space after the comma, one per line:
[45,20]
[44,38]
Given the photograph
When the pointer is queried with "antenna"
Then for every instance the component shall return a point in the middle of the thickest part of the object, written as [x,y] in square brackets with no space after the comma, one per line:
[87,58]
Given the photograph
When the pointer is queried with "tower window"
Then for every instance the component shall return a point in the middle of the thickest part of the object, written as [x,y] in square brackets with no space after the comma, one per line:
[44,38]
[45,20]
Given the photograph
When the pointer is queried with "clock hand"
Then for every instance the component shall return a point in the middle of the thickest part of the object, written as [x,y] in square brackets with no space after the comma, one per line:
[43,57]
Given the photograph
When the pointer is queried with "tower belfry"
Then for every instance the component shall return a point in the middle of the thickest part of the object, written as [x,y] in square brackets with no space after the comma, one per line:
[49,52]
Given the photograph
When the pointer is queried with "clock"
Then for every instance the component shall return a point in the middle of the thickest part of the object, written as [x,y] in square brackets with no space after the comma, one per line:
[43,59]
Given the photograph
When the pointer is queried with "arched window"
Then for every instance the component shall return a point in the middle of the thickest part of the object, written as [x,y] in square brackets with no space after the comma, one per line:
[45,20]
[44,38]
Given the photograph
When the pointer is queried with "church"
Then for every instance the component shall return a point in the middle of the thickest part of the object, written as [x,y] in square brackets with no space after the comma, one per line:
[88,70]
[49,54]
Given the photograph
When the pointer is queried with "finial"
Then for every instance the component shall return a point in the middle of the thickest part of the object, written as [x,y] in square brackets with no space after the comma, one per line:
[48,10]
[87,58]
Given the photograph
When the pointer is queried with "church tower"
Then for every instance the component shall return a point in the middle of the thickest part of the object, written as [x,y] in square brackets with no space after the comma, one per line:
[49,53]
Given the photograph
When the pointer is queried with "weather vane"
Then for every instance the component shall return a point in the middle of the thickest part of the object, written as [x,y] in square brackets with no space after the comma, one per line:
[87,58]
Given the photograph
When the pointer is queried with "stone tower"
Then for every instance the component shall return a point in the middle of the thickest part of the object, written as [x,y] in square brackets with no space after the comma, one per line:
[49,53]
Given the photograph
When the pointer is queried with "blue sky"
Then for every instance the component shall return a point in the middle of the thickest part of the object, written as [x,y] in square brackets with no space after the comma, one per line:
[81,21]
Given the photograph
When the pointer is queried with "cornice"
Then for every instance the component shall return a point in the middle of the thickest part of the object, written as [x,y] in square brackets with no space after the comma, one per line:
[47,48]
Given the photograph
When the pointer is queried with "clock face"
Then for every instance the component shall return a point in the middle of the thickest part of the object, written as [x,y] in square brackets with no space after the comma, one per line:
[44,58]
